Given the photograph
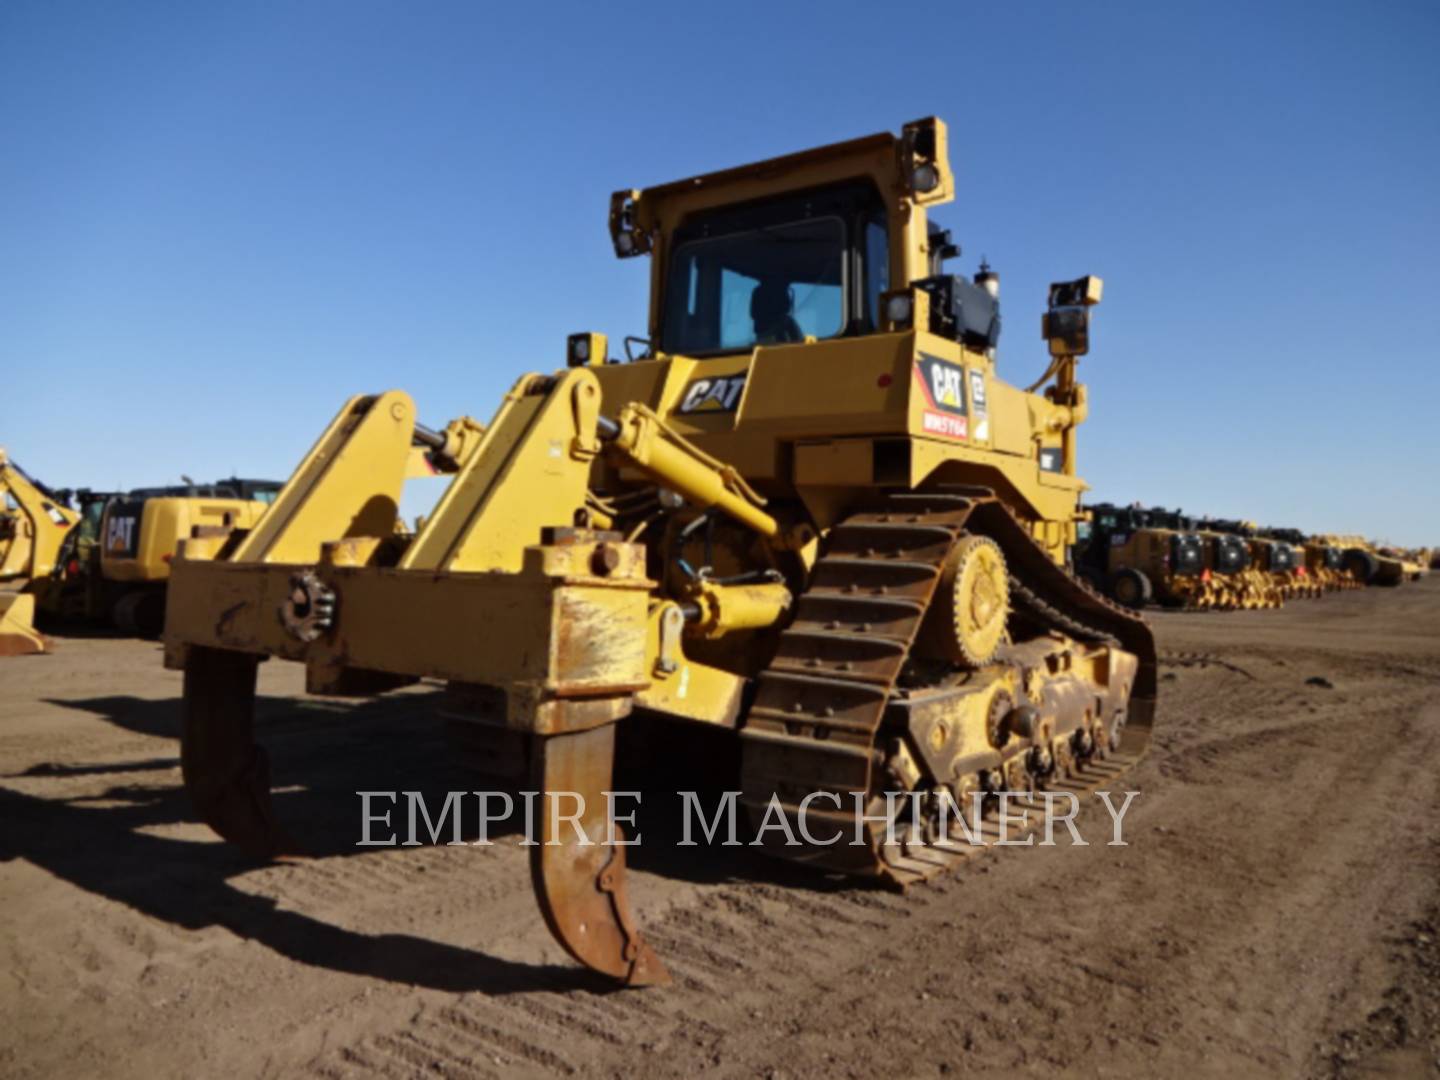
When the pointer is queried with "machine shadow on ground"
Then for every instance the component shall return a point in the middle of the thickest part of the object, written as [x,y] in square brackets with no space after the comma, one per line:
[111,841]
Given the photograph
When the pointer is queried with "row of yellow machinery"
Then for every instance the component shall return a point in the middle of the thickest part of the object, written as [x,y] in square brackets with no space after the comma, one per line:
[809,513]
[103,557]
[1138,555]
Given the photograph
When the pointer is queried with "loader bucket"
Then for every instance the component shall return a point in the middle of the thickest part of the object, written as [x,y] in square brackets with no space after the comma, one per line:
[18,636]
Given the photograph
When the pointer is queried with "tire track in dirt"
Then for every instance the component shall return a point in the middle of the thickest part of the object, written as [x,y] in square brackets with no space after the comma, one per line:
[1280,848]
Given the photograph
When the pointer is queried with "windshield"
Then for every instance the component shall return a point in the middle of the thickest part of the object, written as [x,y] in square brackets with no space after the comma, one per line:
[765,286]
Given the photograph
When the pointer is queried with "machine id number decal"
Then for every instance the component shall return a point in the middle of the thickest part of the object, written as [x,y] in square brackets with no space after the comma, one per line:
[943,385]
[937,423]
[720,394]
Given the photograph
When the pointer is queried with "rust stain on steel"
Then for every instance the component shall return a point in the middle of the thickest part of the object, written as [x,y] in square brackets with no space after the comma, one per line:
[602,644]
[581,886]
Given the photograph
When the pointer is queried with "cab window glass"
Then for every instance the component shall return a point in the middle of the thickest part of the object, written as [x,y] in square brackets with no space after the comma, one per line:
[767,286]
[877,268]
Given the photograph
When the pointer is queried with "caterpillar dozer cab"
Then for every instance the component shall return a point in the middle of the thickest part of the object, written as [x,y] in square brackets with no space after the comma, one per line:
[34,522]
[115,566]
[810,513]
[1136,555]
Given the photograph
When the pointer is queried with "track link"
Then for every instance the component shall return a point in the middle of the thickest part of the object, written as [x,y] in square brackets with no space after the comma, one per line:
[818,718]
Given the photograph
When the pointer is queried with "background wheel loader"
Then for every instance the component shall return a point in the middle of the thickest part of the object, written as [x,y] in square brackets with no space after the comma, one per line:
[34,522]
[811,516]
[1227,558]
[1321,563]
[114,567]
[1136,555]
[1281,563]
[1256,583]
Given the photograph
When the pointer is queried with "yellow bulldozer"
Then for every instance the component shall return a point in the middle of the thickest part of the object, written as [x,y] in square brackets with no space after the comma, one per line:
[1414,562]
[1364,563]
[809,512]
[34,523]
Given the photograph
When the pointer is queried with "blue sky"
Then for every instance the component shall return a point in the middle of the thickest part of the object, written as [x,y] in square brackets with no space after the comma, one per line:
[219,220]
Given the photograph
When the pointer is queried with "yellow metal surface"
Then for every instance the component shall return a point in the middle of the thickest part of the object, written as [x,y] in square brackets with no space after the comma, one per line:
[968,624]
[726,609]
[162,523]
[18,636]
[1064,679]
[530,471]
[646,442]
[347,485]
[680,686]
[563,630]
[32,525]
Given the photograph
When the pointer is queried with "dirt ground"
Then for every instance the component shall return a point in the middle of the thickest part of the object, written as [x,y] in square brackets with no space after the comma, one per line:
[1276,911]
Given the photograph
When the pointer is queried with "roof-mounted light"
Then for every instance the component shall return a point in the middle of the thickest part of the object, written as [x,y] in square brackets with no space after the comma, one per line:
[586,349]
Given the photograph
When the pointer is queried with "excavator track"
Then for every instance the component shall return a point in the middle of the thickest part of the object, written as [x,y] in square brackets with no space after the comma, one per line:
[823,706]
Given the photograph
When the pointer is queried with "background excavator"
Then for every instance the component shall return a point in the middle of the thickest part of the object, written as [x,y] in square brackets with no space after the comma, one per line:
[34,523]
[103,557]
[810,514]
[114,566]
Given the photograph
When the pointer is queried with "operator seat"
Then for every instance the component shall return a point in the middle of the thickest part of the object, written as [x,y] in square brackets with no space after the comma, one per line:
[771,307]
